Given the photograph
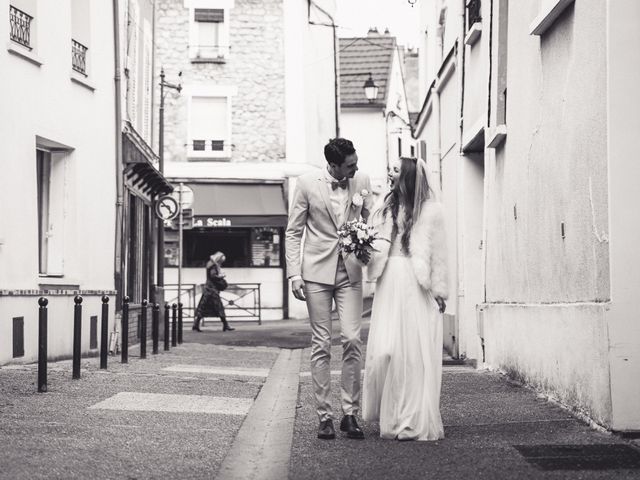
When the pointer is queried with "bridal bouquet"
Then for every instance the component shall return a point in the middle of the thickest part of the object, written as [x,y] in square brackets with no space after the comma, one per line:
[356,237]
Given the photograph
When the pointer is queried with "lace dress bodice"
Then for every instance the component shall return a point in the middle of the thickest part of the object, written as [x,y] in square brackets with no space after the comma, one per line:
[396,245]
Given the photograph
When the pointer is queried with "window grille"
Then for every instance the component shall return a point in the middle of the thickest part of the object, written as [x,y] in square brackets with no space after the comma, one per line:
[79,57]
[20,23]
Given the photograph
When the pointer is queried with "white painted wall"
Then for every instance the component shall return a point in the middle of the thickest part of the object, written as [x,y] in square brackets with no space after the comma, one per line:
[624,228]
[45,102]
[365,127]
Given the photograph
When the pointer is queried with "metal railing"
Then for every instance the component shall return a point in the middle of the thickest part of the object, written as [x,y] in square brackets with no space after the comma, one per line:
[208,52]
[79,57]
[241,301]
[214,145]
[20,23]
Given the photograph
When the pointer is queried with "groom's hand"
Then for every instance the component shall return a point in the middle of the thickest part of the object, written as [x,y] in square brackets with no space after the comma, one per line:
[297,286]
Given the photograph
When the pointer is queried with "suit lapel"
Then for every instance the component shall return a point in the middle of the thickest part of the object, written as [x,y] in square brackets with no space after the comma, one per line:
[324,193]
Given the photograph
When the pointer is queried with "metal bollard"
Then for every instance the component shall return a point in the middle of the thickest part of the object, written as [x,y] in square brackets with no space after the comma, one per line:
[77,336]
[42,344]
[167,319]
[125,331]
[179,322]
[143,330]
[174,311]
[104,334]
[155,320]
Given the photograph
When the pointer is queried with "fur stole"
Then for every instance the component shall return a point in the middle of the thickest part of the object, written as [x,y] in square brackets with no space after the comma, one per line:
[427,248]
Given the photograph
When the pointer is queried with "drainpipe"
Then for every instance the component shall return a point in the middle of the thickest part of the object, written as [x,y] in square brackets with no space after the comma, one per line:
[118,264]
[460,58]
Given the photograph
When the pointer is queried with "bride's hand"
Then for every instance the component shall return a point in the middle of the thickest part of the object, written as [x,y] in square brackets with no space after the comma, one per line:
[441,303]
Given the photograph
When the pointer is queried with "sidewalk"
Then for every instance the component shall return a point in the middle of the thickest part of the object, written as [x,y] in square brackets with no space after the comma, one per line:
[222,420]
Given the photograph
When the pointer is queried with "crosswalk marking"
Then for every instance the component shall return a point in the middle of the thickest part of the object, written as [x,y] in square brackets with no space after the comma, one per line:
[162,402]
[238,371]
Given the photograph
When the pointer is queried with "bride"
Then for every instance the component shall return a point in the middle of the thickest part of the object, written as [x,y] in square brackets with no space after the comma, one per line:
[404,353]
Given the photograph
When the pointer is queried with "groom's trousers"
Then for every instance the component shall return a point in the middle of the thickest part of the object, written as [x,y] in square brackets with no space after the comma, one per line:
[348,299]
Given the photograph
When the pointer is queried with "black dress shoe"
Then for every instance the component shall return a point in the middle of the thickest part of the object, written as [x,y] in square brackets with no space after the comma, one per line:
[326,430]
[349,424]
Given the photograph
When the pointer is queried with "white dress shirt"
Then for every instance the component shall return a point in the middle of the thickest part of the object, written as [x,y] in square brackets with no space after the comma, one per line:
[338,197]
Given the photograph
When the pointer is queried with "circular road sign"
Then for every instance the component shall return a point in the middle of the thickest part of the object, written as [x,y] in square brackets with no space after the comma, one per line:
[167,207]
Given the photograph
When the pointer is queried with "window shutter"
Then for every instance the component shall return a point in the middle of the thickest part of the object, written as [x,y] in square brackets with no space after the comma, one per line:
[423,150]
[209,15]
[147,82]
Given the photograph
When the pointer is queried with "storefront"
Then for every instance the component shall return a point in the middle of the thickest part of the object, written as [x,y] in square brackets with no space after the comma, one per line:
[245,221]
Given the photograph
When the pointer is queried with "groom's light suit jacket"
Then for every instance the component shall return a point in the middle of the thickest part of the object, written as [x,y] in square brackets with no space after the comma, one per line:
[311,210]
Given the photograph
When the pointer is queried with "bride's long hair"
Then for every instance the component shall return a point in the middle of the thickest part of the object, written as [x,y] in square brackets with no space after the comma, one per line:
[406,198]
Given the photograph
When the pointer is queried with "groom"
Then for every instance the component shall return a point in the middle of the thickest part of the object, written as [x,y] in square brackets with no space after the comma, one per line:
[322,202]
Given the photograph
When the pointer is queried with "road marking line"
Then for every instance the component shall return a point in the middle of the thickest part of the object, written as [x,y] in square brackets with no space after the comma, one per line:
[262,448]
[238,371]
[162,402]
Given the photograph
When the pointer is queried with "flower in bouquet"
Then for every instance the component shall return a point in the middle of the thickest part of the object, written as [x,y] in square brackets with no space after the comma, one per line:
[356,237]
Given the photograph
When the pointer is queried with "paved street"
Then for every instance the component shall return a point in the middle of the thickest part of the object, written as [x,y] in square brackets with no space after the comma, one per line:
[216,408]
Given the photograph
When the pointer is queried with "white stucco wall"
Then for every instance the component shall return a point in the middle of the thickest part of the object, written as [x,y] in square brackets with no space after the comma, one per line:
[45,102]
[552,169]
[365,127]
[623,324]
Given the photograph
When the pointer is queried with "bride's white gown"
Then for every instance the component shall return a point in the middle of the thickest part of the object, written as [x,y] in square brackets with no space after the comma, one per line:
[403,369]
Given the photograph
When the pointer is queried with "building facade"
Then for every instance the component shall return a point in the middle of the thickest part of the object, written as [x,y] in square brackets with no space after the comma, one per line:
[524,122]
[141,181]
[380,128]
[256,106]
[58,200]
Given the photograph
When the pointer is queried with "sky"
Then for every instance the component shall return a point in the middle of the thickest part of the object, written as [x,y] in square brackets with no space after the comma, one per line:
[357,16]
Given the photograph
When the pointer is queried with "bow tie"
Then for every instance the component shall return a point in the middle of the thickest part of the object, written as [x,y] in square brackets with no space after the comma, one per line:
[344,183]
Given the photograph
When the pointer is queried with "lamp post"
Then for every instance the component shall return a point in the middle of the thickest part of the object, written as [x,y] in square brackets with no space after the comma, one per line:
[160,252]
[370,87]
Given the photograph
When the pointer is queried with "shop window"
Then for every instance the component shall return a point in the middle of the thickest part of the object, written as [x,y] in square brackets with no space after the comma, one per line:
[200,244]
[265,247]
[139,250]
[243,247]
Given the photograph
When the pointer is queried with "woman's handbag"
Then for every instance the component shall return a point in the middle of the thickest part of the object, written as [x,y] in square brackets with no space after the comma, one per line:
[219,282]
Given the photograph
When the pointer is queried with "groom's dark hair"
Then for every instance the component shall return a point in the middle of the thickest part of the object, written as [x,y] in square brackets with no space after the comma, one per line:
[337,150]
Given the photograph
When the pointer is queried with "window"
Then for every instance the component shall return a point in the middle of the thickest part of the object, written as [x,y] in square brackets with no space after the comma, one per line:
[399,146]
[80,36]
[20,27]
[209,36]
[550,10]
[413,151]
[50,187]
[23,23]
[200,244]
[209,127]
[139,252]
[474,13]
[243,247]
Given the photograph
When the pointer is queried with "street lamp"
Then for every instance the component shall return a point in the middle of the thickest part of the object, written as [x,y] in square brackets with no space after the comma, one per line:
[160,252]
[370,87]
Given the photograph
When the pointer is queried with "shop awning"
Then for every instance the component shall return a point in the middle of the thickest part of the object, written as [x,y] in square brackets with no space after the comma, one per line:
[239,204]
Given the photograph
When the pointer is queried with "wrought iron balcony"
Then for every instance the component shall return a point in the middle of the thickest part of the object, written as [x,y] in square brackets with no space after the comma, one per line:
[79,57]
[208,52]
[20,23]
